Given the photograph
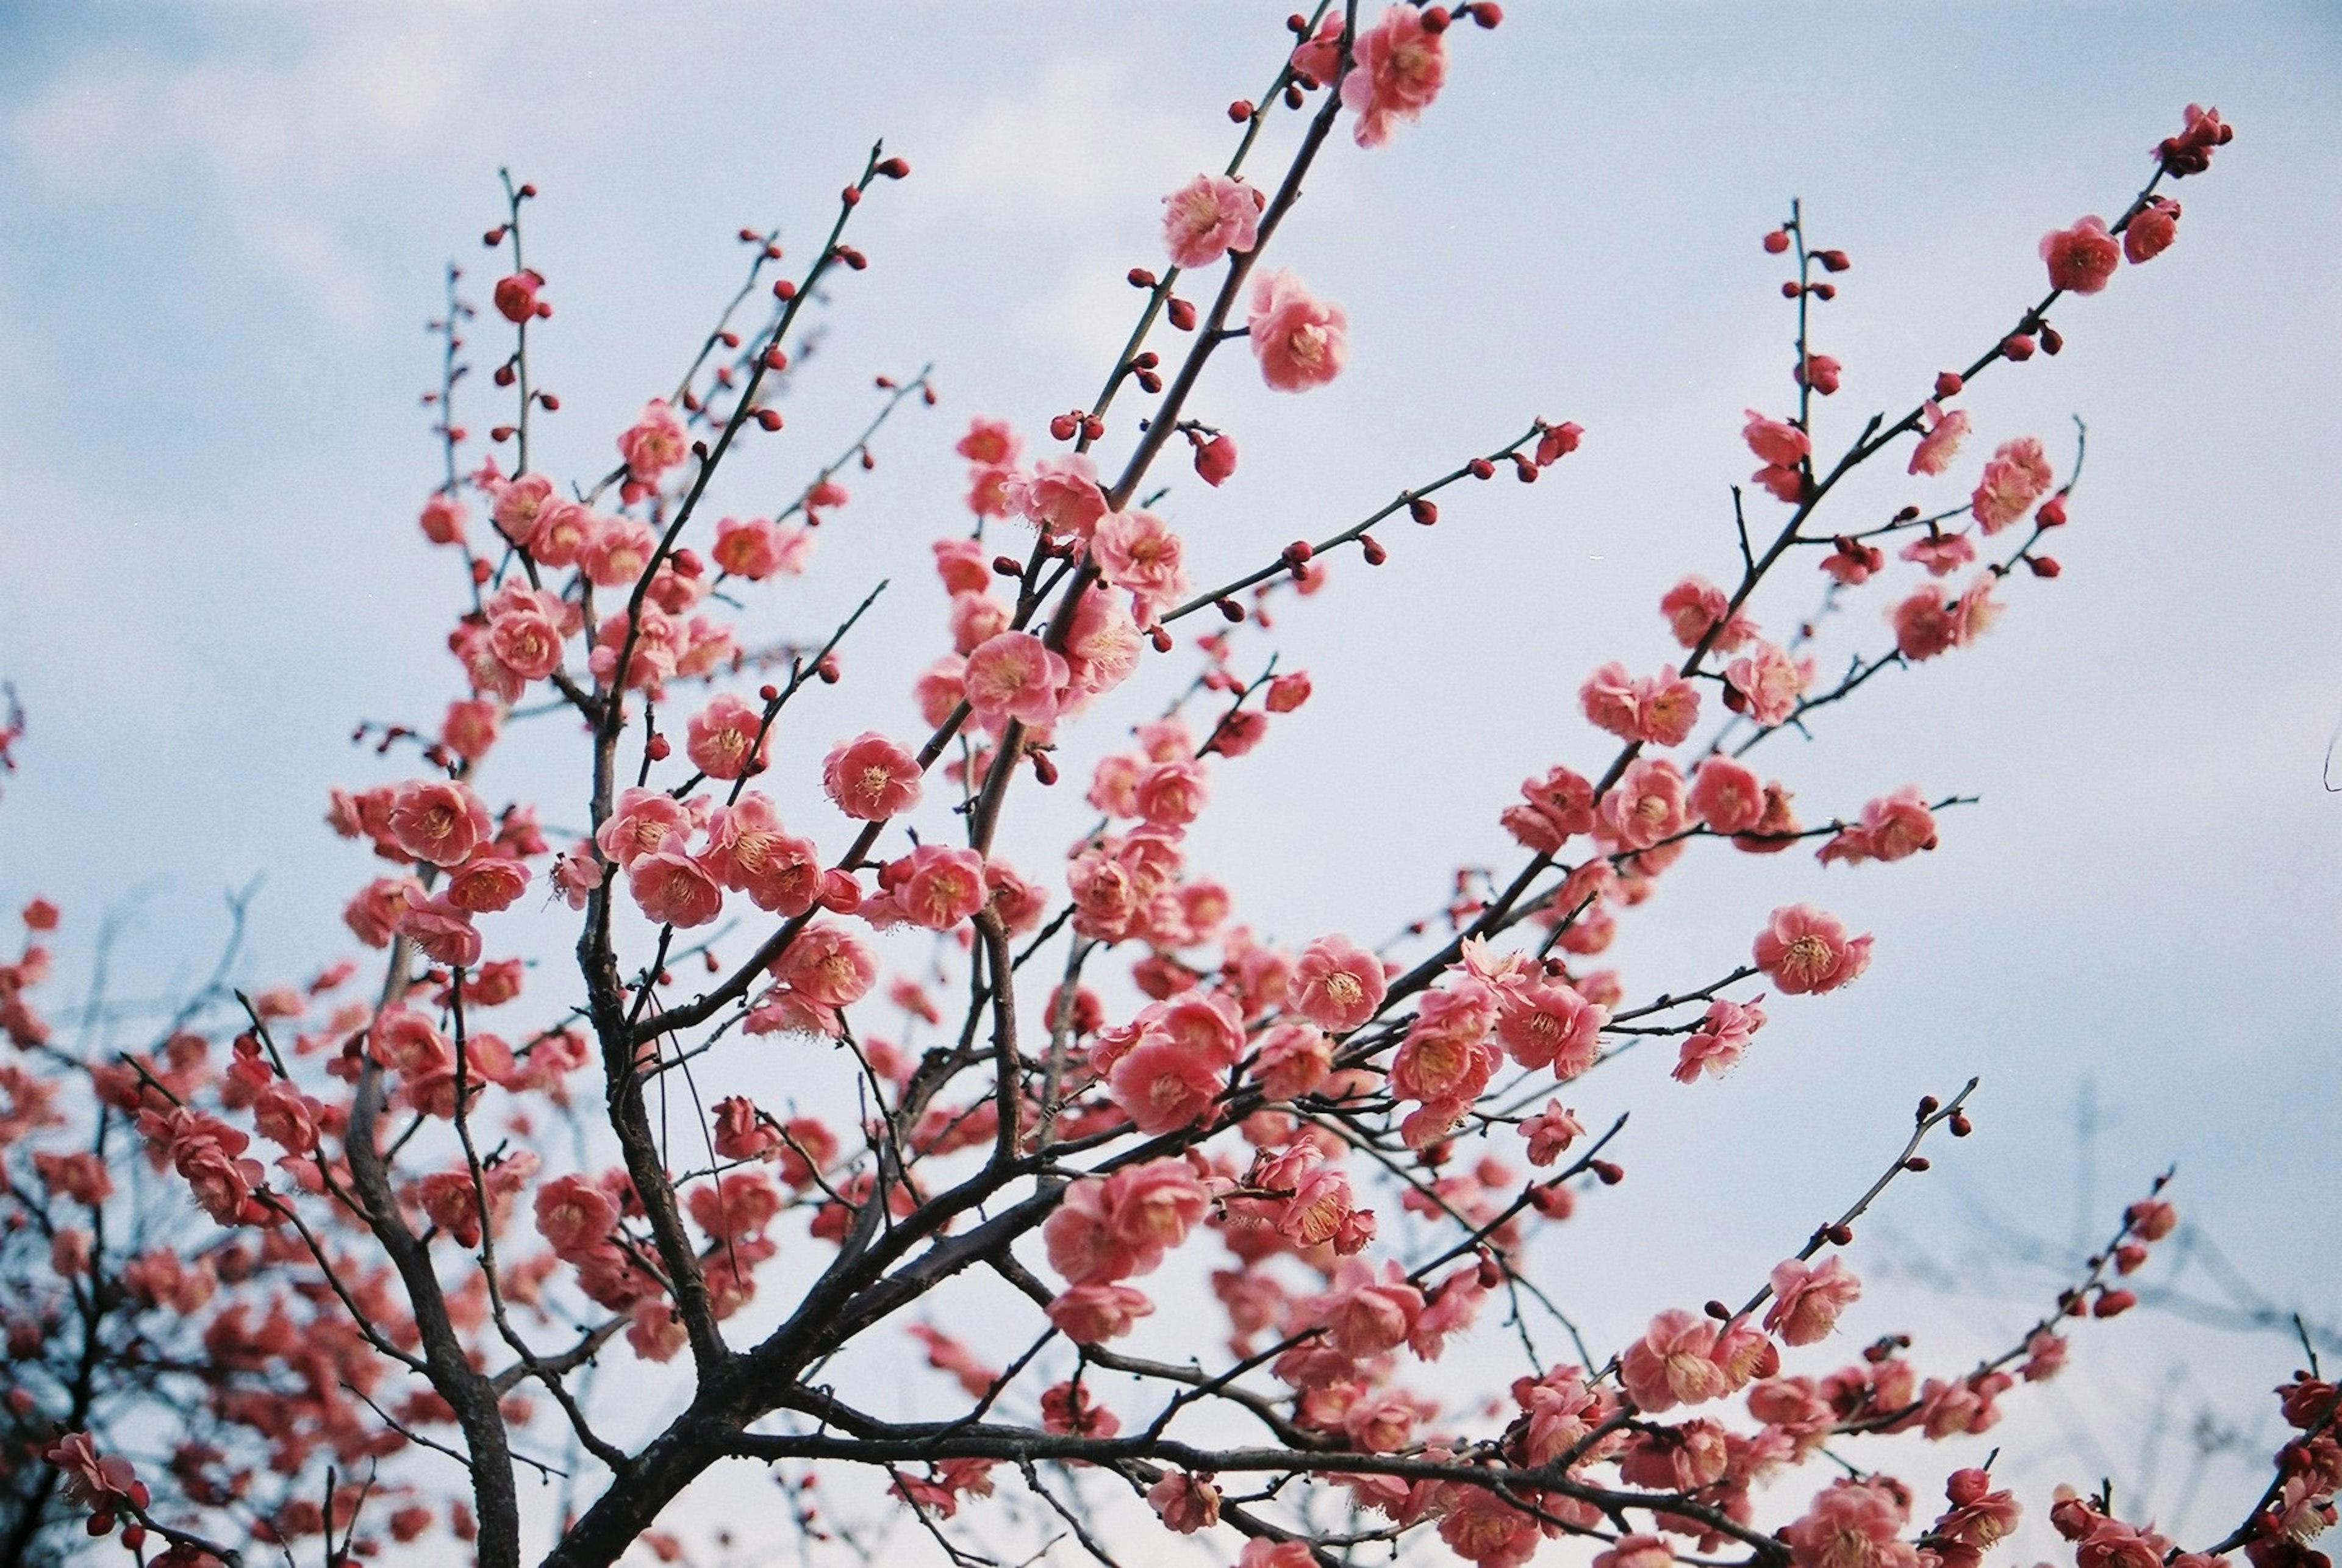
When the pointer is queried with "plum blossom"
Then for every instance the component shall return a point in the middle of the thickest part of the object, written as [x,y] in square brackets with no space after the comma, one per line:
[2081,259]
[870,777]
[1673,1364]
[1853,1525]
[2018,476]
[1397,68]
[1207,217]
[1336,984]
[1299,341]
[1769,681]
[1806,1300]
[1941,443]
[1138,551]
[1013,675]
[1716,1047]
[726,738]
[653,443]
[1805,950]
[439,820]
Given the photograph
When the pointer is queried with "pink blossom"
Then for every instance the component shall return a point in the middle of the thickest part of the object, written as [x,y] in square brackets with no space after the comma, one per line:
[1806,1300]
[438,820]
[2018,476]
[1716,1047]
[1694,607]
[1943,554]
[1368,1310]
[1673,1364]
[1138,550]
[946,885]
[1162,1085]
[619,552]
[576,874]
[829,965]
[644,822]
[1975,611]
[1092,1315]
[1922,624]
[1893,827]
[564,529]
[989,443]
[1636,1552]
[443,519]
[725,739]
[2148,234]
[1293,1060]
[757,548]
[1170,795]
[486,884]
[1852,1524]
[1060,497]
[1319,55]
[373,912]
[1551,1131]
[653,443]
[1781,483]
[1727,796]
[871,777]
[1769,681]
[1776,442]
[1553,810]
[1336,984]
[1549,1024]
[1015,676]
[1397,68]
[989,491]
[1299,341]
[1184,1503]
[673,889]
[1646,805]
[2082,258]
[1207,217]
[1804,951]
[1659,710]
[1104,644]
[1941,443]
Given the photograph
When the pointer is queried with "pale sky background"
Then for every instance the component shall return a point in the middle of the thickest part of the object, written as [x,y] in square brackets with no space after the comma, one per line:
[226,225]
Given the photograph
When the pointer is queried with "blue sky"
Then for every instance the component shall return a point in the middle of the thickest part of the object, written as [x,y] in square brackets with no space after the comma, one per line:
[226,225]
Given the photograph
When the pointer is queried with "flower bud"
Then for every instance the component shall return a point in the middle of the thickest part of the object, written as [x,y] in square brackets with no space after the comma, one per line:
[894,169]
[1182,314]
[1949,383]
[1776,242]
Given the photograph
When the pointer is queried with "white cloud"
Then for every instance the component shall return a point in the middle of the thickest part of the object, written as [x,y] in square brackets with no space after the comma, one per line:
[260,140]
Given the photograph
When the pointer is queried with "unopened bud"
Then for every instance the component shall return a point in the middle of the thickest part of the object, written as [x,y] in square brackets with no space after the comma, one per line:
[2052,340]
[1240,111]
[894,169]
[1840,1235]
[1719,1311]
[784,289]
[768,418]
[1160,638]
[1141,278]
[1949,383]
[1832,261]
[1182,314]
[1063,428]
[1776,242]
[2114,1303]
[1960,1124]
[2017,348]
[1422,511]
[658,748]
[2052,514]
[2043,565]
[1044,770]
[1481,468]
[1372,550]
[774,359]
[1008,567]
[1228,608]
[1605,1173]
[826,671]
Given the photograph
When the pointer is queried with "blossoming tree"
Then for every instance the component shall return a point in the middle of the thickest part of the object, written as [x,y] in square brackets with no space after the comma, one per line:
[326,1280]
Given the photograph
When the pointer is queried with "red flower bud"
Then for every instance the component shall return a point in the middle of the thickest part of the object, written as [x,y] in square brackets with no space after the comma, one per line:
[1141,278]
[1481,468]
[1217,459]
[1776,242]
[1949,383]
[1182,314]
[1374,552]
[1422,511]
[2017,348]
[894,169]
[2114,1303]
[1240,111]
